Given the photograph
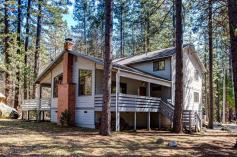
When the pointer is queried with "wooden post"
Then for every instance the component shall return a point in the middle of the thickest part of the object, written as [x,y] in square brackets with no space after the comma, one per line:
[149,121]
[117,100]
[39,103]
[149,114]
[43,116]
[28,115]
[135,120]
[22,114]
[190,122]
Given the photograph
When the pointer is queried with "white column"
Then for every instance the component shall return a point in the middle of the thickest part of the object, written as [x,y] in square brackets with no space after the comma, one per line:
[149,121]
[39,102]
[135,120]
[149,114]
[117,100]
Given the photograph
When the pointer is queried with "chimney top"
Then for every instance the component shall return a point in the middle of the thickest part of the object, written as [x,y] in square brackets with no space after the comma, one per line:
[68,45]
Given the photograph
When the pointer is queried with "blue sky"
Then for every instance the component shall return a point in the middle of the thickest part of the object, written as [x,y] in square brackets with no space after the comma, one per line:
[69,17]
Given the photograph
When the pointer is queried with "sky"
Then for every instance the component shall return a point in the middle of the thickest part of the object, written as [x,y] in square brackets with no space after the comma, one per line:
[69,17]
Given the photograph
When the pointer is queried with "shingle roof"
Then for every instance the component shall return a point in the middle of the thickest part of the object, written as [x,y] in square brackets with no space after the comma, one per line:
[163,53]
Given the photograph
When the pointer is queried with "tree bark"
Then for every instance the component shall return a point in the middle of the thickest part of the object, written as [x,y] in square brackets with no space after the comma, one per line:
[106,115]
[17,83]
[121,31]
[26,46]
[37,45]
[232,12]
[6,49]
[210,124]
[177,119]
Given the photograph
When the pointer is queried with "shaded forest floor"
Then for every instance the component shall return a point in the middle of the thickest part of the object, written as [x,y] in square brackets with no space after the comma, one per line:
[19,138]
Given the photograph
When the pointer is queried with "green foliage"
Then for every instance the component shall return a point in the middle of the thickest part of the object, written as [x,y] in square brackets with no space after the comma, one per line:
[65,118]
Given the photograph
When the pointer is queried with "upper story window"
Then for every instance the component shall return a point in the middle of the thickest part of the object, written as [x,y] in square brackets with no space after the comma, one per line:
[196,97]
[85,82]
[196,75]
[56,81]
[159,65]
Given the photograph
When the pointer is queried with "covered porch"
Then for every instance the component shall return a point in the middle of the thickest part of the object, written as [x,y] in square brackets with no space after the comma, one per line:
[135,98]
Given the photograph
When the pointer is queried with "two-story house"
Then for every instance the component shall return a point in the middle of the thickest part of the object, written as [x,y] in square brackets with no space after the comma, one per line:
[143,88]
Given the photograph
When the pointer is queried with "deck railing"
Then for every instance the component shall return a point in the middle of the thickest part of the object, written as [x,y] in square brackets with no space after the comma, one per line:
[127,102]
[36,104]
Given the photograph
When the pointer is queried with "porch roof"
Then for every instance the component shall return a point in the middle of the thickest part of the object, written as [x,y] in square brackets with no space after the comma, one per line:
[98,61]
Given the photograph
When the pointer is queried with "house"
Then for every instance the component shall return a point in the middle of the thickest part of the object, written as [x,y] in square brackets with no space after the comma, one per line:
[143,88]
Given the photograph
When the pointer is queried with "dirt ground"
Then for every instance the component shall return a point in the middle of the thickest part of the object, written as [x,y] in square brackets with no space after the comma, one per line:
[21,138]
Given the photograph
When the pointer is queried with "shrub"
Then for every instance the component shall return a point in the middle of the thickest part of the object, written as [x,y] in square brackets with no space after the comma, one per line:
[65,119]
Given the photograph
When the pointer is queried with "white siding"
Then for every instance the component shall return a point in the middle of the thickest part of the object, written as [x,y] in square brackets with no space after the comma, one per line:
[54,101]
[190,84]
[84,104]
[148,67]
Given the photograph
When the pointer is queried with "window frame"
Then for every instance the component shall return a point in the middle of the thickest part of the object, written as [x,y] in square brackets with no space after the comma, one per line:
[196,75]
[79,91]
[195,98]
[157,63]
[55,85]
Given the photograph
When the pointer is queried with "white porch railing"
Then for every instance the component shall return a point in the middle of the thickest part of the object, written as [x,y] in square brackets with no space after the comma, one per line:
[130,103]
[36,104]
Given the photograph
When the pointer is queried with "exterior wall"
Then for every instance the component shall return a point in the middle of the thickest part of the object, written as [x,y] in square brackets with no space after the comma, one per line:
[190,84]
[54,101]
[132,85]
[85,115]
[148,67]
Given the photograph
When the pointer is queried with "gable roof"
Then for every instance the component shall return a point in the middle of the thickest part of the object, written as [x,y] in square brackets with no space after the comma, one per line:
[163,53]
[154,55]
[94,59]
[123,62]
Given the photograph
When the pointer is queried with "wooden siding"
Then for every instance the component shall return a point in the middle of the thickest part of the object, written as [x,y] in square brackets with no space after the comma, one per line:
[148,67]
[190,84]
[85,114]
[54,101]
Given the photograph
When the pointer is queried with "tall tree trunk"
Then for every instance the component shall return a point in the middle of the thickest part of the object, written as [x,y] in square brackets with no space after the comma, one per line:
[121,31]
[17,84]
[177,119]
[232,11]
[6,49]
[210,124]
[173,22]
[26,46]
[106,115]
[218,117]
[37,45]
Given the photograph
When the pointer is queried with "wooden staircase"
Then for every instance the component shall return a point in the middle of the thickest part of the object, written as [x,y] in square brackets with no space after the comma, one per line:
[191,119]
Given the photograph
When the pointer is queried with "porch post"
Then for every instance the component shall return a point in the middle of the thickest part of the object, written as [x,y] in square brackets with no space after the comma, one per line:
[39,103]
[149,113]
[135,120]
[117,100]
[149,121]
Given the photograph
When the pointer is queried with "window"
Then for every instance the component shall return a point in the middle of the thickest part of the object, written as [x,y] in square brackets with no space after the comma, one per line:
[196,75]
[85,82]
[56,81]
[196,97]
[123,87]
[159,65]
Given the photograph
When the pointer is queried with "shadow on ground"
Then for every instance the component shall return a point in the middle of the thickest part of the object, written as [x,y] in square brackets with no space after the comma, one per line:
[46,139]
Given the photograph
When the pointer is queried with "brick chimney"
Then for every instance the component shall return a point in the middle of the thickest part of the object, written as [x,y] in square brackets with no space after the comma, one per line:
[66,90]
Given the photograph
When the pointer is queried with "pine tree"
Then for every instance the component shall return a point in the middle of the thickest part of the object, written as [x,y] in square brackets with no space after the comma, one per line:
[106,114]
[177,119]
